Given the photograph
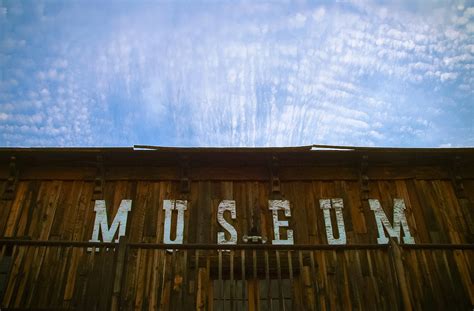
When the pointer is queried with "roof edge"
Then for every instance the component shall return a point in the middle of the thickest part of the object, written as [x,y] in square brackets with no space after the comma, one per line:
[305,148]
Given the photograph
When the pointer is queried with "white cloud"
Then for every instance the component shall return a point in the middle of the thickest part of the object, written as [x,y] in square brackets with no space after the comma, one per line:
[251,75]
[446,76]
[319,14]
[470,27]
[297,21]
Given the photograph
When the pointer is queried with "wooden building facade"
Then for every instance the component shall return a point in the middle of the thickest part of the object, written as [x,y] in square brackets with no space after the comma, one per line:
[362,228]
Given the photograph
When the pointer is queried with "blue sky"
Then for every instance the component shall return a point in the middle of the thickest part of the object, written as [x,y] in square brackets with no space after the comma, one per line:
[229,73]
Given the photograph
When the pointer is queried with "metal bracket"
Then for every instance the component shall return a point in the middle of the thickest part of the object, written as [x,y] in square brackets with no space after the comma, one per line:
[274,175]
[12,180]
[185,182]
[364,178]
[254,237]
[457,178]
[99,180]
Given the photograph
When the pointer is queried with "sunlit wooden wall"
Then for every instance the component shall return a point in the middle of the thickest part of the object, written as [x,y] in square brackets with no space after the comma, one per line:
[57,203]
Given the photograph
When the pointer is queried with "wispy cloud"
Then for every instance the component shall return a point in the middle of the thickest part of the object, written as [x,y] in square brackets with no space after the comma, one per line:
[240,74]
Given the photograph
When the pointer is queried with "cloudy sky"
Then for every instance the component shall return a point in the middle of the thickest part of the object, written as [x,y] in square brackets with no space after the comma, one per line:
[228,73]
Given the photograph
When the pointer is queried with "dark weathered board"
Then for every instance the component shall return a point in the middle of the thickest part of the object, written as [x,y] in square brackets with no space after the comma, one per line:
[56,202]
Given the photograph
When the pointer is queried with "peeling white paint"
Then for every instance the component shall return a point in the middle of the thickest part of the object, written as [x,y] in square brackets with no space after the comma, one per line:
[337,204]
[119,223]
[226,205]
[399,222]
[275,206]
[169,206]
[101,224]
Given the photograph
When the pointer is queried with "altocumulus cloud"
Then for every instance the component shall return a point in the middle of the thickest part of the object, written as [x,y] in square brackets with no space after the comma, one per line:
[236,74]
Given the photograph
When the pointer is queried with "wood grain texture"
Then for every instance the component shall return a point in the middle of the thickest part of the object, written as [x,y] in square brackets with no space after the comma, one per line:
[59,206]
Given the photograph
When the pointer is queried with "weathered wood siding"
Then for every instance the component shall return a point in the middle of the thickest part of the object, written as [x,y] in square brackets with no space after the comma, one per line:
[64,210]
[59,205]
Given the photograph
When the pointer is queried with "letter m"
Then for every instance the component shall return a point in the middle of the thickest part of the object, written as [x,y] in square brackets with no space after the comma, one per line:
[399,222]
[101,223]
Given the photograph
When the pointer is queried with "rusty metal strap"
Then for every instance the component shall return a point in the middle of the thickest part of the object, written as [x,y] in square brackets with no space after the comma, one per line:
[57,243]
[308,247]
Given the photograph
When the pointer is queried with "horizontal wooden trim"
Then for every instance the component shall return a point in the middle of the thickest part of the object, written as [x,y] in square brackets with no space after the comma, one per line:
[58,173]
[257,173]
[419,172]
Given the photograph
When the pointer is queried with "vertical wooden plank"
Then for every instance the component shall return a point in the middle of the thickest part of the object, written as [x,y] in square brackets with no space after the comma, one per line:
[45,284]
[163,295]
[7,292]
[400,273]
[58,220]
[314,280]
[77,299]
[252,293]
[280,289]
[26,275]
[5,210]
[466,276]
[63,262]
[201,297]
[153,280]
[50,210]
[231,272]
[252,285]
[107,280]
[431,218]
[15,210]
[221,297]
[422,235]
[357,211]
[185,285]
[84,215]
[210,293]
[93,279]
[121,253]
[196,271]
[242,258]
[136,217]
[66,229]
[158,269]
[71,275]
[45,278]
[204,203]
[174,279]
[146,297]
[292,281]
[26,217]
[268,282]
[308,288]
[151,212]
